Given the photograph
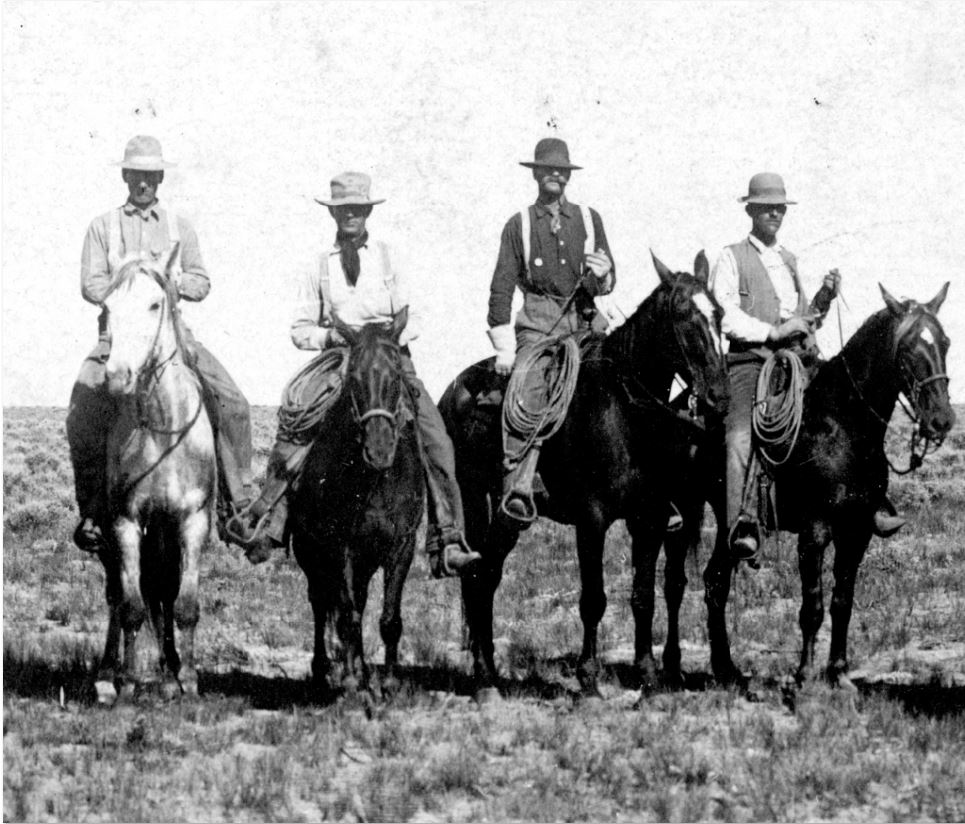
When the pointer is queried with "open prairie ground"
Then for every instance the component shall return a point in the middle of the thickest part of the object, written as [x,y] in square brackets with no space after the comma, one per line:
[255,747]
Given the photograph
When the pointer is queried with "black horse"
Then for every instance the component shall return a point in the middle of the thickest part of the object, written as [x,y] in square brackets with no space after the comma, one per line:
[836,475]
[359,504]
[612,458]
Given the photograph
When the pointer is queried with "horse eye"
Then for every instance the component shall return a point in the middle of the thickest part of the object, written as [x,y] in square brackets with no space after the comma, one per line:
[156,306]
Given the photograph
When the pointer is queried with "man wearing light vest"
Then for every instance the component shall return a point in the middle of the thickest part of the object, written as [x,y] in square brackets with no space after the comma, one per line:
[557,254]
[141,227]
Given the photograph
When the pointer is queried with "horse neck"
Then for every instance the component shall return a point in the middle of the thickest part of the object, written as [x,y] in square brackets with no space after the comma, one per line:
[639,347]
[868,362]
[168,397]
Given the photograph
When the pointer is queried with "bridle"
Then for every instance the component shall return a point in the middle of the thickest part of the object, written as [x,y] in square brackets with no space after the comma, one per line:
[395,417]
[910,387]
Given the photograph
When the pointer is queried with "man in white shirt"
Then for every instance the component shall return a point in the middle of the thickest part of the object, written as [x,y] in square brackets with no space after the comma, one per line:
[756,283]
[356,282]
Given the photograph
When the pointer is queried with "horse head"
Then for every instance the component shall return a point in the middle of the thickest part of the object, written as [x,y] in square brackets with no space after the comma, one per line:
[693,314]
[139,309]
[919,348]
[376,387]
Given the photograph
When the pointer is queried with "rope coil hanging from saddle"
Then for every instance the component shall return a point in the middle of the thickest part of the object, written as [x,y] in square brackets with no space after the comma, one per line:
[310,394]
[779,407]
[561,362]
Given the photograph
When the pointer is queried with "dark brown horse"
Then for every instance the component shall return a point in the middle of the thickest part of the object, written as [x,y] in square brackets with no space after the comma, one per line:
[837,474]
[359,504]
[609,459]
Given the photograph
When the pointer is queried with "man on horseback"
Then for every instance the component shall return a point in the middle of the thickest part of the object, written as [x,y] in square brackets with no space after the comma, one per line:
[756,283]
[557,253]
[141,227]
[357,284]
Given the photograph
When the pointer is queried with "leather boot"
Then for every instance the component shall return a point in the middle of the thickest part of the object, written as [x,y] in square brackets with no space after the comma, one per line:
[745,542]
[89,537]
[449,554]
[517,504]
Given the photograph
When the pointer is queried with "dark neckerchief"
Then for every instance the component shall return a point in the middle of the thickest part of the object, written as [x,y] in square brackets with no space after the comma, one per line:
[348,249]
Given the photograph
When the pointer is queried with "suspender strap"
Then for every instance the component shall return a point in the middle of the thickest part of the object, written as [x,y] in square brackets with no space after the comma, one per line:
[325,287]
[525,229]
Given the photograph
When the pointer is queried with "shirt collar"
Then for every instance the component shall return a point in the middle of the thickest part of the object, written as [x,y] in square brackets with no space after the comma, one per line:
[756,243]
[152,211]
[566,208]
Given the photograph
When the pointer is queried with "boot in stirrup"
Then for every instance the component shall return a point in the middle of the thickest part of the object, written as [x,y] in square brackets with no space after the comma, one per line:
[449,554]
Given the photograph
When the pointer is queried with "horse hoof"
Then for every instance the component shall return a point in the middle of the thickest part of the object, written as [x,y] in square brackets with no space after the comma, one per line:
[170,689]
[390,688]
[105,693]
[842,682]
[127,692]
[488,696]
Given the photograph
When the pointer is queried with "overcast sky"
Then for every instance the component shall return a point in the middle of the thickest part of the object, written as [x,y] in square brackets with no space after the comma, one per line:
[668,107]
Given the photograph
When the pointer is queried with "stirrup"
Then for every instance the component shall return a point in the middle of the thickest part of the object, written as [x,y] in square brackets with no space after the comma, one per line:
[675,521]
[521,520]
[236,523]
[442,566]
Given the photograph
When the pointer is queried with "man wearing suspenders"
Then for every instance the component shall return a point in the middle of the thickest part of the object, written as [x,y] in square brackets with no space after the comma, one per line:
[355,281]
[141,226]
[557,254]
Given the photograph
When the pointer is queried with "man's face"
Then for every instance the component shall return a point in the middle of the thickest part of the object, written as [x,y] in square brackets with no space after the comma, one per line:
[142,186]
[766,218]
[552,180]
[350,218]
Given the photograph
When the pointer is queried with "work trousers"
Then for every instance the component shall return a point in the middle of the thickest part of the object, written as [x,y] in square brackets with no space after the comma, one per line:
[93,411]
[739,436]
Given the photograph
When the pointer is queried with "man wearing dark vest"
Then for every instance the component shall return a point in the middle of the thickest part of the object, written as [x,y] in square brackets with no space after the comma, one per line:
[141,227]
[557,254]
[756,283]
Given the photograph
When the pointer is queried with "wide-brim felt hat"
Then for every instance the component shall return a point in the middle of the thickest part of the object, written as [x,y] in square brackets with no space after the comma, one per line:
[143,153]
[350,189]
[767,188]
[550,151]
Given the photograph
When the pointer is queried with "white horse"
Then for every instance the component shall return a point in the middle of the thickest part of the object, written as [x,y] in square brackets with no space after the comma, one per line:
[161,477]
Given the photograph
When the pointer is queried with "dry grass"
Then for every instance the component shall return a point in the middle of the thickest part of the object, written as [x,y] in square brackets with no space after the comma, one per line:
[256,747]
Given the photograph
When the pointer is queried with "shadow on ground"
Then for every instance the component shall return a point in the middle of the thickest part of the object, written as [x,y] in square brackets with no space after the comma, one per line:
[30,676]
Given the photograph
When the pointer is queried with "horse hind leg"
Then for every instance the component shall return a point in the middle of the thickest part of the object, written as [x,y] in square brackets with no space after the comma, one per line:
[645,535]
[717,581]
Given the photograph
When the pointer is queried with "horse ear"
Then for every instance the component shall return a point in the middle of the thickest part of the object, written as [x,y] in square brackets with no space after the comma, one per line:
[399,321]
[890,302]
[662,271]
[346,331]
[702,268]
[936,302]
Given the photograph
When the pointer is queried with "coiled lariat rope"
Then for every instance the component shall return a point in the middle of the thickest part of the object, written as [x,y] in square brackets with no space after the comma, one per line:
[778,411]
[536,425]
[309,395]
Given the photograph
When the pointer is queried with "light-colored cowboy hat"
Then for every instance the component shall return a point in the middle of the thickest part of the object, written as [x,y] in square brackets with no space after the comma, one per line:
[143,153]
[766,187]
[350,189]
[550,151]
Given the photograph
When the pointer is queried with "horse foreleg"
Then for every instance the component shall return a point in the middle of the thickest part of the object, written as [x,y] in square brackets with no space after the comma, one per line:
[810,559]
[645,536]
[321,597]
[589,541]
[717,578]
[107,671]
[676,546]
[132,609]
[353,597]
[390,625]
[192,536]
[850,544]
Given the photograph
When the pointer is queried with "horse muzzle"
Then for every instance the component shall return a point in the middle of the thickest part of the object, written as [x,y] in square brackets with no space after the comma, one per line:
[120,379]
[379,442]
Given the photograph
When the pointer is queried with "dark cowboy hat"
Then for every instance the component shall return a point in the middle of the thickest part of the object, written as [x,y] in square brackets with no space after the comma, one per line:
[551,151]
[766,187]
[350,189]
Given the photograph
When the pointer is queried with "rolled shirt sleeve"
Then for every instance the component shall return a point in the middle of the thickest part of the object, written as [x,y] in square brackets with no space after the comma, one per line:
[306,331]
[736,324]
[195,283]
[95,278]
